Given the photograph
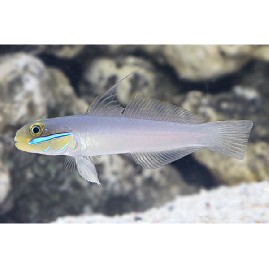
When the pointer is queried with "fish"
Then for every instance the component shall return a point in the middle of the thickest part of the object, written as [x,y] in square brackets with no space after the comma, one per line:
[154,133]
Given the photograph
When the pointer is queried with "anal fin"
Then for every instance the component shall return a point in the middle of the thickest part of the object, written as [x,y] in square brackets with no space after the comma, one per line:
[152,160]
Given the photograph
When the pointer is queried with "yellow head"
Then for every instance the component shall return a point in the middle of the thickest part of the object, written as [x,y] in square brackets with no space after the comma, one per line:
[44,137]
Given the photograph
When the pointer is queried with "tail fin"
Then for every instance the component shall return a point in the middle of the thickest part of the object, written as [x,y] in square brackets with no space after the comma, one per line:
[230,137]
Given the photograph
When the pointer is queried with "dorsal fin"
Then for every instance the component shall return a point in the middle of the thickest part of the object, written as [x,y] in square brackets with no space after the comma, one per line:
[150,109]
[107,103]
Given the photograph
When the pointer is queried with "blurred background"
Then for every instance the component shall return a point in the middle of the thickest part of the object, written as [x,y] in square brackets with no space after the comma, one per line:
[219,82]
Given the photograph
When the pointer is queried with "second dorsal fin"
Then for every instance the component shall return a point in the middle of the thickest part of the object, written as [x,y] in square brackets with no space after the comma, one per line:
[150,109]
[107,103]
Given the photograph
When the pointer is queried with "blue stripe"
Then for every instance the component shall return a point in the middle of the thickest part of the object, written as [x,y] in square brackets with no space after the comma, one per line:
[75,144]
[64,146]
[47,138]
[47,148]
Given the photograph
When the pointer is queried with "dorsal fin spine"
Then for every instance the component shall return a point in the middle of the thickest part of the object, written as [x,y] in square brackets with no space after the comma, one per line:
[106,104]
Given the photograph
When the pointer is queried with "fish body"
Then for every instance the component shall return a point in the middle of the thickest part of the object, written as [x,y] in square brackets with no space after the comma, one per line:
[154,133]
[95,135]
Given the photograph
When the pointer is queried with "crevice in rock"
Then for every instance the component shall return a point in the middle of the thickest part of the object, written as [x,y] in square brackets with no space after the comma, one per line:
[195,173]
[71,68]
[8,49]
[213,86]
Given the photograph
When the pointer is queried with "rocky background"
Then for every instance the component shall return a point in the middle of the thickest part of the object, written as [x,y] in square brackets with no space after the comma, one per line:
[228,82]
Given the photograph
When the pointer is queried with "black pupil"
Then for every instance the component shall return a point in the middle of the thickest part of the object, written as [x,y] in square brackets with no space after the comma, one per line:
[36,130]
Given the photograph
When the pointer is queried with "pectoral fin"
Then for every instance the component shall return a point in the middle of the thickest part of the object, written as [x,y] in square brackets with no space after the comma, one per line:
[70,163]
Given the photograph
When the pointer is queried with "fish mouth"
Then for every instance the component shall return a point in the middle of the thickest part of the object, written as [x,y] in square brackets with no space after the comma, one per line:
[20,142]
[18,146]
[16,141]
[22,146]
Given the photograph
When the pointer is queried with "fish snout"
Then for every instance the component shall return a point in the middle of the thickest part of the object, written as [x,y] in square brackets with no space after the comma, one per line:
[16,140]
[18,136]
[15,137]
[21,140]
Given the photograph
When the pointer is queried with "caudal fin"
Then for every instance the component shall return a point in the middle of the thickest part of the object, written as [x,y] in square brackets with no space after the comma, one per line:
[230,137]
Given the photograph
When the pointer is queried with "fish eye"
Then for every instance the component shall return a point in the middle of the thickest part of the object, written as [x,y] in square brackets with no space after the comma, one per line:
[36,129]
